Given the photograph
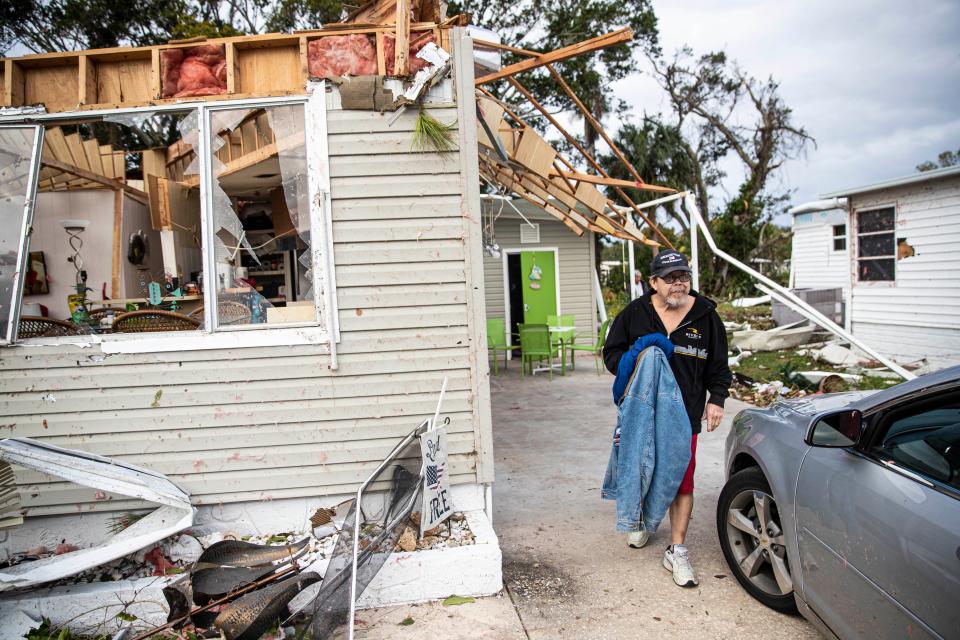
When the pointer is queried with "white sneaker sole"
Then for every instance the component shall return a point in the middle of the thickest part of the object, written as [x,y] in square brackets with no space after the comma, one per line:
[669,567]
[640,542]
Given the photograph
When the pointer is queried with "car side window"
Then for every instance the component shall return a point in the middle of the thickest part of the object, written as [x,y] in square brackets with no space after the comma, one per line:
[925,440]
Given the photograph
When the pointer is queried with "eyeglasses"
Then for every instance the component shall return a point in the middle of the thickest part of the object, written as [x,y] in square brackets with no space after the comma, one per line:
[682,276]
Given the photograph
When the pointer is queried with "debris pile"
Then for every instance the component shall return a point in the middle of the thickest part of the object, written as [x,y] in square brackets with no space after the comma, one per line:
[454,532]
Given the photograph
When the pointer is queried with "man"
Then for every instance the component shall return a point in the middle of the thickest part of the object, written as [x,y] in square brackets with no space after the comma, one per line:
[640,287]
[699,362]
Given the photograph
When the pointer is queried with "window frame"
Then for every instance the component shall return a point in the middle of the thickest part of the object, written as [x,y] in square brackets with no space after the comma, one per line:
[858,235]
[8,334]
[879,425]
[842,236]
[324,330]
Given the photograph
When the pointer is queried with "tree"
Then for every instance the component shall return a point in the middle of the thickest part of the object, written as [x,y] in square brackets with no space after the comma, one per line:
[64,25]
[945,159]
[717,110]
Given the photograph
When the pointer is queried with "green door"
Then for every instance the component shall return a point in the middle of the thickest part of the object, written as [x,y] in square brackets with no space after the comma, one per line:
[539,285]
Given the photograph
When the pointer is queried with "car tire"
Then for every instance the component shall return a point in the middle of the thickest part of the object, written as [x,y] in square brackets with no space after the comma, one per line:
[748,480]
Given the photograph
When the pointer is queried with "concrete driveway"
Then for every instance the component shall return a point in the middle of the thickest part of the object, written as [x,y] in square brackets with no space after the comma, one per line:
[568,572]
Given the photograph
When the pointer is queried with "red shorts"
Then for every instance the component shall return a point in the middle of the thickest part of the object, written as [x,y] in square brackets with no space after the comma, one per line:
[686,485]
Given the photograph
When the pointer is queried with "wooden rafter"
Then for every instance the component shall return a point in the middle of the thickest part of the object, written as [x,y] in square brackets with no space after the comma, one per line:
[587,156]
[95,177]
[600,42]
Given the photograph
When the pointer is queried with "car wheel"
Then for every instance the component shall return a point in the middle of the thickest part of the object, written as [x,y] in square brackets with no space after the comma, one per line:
[753,541]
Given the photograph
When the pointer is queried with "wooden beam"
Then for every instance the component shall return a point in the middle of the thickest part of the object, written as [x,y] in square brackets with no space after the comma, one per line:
[486,44]
[231,60]
[93,177]
[117,243]
[402,48]
[88,80]
[600,42]
[380,42]
[612,182]
[13,86]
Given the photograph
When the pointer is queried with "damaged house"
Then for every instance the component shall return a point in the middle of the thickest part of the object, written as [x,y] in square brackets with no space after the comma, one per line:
[220,266]
[238,263]
[891,248]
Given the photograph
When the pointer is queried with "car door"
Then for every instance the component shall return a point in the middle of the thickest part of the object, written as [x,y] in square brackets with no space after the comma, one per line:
[878,525]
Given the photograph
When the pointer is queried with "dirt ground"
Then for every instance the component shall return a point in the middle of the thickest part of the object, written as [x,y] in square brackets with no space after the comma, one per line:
[568,572]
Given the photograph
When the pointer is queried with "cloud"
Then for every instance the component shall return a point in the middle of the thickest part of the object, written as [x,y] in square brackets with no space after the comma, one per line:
[876,83]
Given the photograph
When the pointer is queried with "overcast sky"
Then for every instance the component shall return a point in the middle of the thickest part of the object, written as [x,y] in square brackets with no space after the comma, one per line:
[876,83]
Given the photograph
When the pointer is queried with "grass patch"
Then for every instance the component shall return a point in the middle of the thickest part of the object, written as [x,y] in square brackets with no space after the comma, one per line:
[759,317]
[768,366]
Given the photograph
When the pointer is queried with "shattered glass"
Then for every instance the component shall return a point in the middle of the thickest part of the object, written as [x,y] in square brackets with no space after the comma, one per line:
[16,150]
[261,216]
[386,501]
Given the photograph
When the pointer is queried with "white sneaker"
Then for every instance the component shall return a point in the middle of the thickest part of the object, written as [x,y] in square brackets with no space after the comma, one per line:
[677,560]
[637,539]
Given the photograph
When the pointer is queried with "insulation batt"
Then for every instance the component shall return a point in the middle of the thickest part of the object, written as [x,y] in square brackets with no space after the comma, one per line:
[335,56]
[197,71]
[414,63]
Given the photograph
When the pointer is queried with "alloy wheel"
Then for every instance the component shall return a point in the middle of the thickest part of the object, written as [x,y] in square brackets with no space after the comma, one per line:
[757,542]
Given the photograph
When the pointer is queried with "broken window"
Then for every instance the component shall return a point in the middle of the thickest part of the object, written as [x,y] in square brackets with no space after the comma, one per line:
[16,173]
[124,203]
[116,240]
[876,245]
[261,217]
[839,237]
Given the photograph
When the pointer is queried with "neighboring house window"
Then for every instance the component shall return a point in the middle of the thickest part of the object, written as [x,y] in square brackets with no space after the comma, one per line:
[133,232]
[876,245]
[839,237]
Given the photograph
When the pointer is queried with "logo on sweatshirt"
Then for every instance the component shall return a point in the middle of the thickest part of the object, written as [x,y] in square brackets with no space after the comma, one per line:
[694,334]
[691,351]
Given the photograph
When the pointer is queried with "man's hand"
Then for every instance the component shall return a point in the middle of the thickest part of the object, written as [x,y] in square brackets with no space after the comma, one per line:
[713,414]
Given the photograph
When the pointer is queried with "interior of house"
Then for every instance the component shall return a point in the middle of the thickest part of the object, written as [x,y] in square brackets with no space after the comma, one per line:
[117,239]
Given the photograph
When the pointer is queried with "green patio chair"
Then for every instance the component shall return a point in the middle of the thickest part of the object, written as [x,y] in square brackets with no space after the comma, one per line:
[497,341]
[535,346]
[596,349]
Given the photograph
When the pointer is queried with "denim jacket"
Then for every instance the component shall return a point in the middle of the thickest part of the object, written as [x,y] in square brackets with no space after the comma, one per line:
[651,447]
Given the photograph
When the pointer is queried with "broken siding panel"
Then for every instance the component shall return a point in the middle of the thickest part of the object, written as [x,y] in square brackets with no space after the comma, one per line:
[939,345]
[919,314]
[251,424]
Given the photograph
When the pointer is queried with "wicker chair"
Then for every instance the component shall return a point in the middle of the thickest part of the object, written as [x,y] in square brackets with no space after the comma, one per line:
[36,327]
[228,312]
[153,320]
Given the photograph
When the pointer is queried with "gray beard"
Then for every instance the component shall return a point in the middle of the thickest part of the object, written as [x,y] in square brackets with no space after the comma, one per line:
[673,303]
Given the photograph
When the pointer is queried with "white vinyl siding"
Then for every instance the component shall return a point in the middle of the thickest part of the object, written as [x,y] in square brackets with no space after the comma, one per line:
[816,264]
[919,314]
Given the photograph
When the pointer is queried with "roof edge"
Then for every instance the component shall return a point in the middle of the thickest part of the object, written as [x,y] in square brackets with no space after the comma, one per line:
[922,176]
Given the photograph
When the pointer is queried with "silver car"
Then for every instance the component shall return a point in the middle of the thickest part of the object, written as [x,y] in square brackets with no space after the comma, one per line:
[846,507]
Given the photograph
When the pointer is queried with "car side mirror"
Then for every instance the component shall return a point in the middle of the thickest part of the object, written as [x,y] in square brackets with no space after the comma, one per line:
[837,429]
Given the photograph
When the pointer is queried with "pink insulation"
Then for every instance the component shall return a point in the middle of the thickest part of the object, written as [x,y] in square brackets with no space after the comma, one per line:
[414,64]
[195,71]
[335,56]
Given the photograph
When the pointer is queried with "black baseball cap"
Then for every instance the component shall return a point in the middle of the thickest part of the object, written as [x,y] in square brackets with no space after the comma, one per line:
[668,261]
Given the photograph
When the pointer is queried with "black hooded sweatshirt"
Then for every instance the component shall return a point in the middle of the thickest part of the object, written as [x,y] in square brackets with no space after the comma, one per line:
[699,361]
